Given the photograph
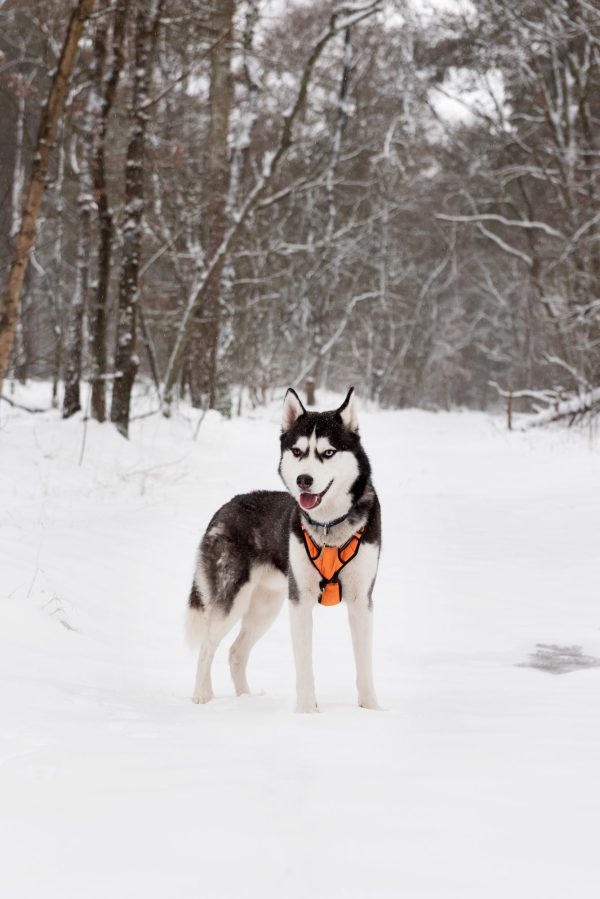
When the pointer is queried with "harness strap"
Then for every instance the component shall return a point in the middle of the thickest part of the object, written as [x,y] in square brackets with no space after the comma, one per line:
[329,561]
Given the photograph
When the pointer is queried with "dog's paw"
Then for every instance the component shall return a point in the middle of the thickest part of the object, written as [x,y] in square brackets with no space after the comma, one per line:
[243,691]
[307,706]
[369,702]
[202,698]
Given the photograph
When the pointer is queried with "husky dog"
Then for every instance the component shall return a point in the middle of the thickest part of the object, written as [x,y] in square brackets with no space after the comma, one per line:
[319,541]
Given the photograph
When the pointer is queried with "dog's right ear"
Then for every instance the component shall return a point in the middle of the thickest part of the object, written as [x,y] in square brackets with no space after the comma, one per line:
[292,409]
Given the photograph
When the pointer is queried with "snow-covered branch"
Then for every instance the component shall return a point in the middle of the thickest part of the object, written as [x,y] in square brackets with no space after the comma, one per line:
[330,343]
[342,18]
[502,220]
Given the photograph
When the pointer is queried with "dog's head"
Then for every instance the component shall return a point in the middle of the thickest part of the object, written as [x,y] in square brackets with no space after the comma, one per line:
[323,464]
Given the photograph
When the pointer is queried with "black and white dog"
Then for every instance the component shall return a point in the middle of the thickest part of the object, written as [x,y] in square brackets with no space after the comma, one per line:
[319,541]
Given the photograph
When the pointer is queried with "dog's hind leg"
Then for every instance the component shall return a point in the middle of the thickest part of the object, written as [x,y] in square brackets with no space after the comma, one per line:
[262,612]
[217,623]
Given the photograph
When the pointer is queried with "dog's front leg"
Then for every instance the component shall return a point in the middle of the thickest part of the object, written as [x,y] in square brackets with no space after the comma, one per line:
[360,616]
[301,624]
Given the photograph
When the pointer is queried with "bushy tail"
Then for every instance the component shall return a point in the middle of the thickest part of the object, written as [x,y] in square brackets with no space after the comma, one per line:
[195,618]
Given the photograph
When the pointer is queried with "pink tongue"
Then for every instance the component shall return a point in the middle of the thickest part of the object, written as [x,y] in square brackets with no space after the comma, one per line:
[309,500]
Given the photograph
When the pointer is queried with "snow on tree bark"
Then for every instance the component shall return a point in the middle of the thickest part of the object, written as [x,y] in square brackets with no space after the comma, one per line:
[126,359]
[25,238]
[98,306]
[341,19]
[85,208]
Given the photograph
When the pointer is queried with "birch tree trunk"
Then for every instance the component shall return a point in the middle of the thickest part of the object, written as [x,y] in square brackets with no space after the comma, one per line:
[25,238]
[19,172]
[98,316]
[126,359]
[19,363]
[56,305]
[85,207]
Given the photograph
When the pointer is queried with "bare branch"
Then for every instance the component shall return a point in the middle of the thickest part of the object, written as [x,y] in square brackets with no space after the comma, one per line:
[511,223]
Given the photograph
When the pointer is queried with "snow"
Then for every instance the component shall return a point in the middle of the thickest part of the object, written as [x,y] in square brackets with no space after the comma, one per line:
[465,95]
[481,778]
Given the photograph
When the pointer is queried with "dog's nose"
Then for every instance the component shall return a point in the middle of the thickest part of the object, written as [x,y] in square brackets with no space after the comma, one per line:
[304,481]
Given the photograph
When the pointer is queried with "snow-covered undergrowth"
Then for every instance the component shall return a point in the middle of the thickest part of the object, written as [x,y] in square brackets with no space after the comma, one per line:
[481,779]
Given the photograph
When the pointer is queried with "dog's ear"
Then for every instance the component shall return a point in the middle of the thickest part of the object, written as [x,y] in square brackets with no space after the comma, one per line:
[292,409]
[348,411]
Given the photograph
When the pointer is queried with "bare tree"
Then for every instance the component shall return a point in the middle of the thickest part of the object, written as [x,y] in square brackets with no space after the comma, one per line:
[98,310]
[25,238]
[341,19]
[126,359]
[215,208]
[301,206]
[85,208]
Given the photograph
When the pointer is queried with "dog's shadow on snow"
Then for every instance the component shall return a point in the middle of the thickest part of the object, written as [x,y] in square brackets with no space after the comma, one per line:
[557,659]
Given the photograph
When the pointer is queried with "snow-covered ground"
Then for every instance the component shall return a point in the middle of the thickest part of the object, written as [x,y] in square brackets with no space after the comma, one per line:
[482,777]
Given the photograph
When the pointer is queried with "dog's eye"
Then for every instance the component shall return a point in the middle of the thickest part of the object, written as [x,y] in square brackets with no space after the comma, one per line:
[327,454]
[296,452]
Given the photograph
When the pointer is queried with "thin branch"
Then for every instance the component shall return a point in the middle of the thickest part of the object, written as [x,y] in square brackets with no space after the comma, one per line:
[342,18]
[189,71]
[505,246]
[510,223]
[323,350]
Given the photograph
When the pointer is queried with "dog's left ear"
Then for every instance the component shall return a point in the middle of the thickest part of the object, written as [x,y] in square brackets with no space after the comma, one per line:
[348,411]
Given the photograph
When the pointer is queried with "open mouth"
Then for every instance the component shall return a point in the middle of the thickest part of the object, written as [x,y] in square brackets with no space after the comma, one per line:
[310,500]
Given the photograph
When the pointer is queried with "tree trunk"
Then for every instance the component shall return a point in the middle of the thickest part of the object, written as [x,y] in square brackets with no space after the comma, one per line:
[85,205]
[126,359]
[215,183]
[19,354]
[215,262]
[24,241]
[55,294]
[97,316]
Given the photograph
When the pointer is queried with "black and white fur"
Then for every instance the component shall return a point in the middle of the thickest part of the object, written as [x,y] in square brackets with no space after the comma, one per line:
[253,553]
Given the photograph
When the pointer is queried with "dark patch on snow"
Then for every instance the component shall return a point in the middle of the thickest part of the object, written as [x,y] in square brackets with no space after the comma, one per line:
[559,659]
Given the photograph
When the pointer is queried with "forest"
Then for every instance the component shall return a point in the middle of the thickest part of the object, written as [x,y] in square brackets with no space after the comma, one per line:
[204,203]
[219,197]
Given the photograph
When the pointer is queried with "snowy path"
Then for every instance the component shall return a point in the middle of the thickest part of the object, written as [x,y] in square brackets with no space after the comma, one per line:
[482,778]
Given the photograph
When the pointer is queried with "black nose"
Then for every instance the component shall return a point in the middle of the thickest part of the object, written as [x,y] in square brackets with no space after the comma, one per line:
[304,481]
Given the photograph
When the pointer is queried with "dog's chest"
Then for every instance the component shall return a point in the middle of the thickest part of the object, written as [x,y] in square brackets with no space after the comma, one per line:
[356,577]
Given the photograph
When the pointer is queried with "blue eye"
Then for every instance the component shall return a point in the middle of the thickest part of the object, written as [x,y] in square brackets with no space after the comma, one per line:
[327,454]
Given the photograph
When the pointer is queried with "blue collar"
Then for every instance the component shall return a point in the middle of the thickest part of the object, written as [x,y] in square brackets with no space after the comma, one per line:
[328,524]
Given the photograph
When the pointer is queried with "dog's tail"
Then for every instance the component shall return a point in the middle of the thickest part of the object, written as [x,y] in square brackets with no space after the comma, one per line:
[195,623]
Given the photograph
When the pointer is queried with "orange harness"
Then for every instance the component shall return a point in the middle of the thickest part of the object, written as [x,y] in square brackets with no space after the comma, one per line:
[329,561]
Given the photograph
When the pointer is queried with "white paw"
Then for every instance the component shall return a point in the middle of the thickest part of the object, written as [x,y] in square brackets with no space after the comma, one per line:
[369,702]
[307,706]
[243,691]
[202,698]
